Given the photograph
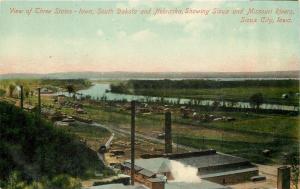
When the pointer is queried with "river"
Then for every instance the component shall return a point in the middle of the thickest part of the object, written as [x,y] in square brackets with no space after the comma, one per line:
[100,90]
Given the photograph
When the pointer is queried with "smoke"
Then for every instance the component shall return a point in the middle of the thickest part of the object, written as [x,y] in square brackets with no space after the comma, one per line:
[184,173]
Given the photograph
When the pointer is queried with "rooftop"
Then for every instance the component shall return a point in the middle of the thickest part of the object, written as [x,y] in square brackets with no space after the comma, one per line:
[118,186]
[170,185]
[203,185]
[211,160]
[153,164]
[162,164]
[127,164]
[147,173]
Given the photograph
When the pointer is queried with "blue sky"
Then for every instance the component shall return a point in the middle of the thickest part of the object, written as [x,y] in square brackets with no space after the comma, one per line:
[147,43]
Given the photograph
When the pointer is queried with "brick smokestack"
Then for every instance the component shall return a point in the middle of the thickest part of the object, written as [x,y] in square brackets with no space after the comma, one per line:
[283,177]
[132,140]
[21,97]
[168,132]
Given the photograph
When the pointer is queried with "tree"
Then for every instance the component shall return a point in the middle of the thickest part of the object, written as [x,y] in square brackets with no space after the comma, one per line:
[65,181]
[71,89]
[256,100]
[215,105]
[2,92]
[293,160]
[11,89]
[27,91]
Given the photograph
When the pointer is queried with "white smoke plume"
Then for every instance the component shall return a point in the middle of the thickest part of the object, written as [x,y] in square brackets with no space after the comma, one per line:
[184,173]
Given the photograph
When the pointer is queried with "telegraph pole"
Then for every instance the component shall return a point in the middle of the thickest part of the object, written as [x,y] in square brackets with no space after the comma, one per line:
[132,140]
[21,97]
[168,132]
[39,101]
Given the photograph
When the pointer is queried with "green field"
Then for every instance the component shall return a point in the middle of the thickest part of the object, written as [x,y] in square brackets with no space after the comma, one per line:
[247,136]
[271,95]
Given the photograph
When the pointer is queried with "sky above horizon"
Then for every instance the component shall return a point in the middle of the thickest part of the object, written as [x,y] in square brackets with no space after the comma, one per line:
[145,43]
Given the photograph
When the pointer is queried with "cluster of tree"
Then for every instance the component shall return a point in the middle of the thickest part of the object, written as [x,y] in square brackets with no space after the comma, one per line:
[2,92]
[58,182]
[204,84]
[64,83]
[36,149]
[293,160]
[120,88]
[10,87]
[256,100]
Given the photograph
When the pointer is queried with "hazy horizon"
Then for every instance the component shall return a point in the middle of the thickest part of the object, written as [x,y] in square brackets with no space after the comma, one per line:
[150,72]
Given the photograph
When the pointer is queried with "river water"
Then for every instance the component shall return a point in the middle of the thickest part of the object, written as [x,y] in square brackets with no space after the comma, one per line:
[100,90]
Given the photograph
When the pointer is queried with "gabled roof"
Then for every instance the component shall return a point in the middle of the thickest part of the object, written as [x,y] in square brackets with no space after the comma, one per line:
[146,173]
[128,165]
[154,165]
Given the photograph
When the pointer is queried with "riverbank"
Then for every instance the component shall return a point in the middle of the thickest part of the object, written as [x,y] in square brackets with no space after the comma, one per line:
[283,92]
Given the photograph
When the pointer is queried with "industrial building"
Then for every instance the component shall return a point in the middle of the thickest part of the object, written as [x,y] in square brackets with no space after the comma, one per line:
[205,169]
[169,185]
[212,166]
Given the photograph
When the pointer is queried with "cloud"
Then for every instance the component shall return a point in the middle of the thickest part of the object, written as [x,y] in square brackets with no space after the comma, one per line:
[100,33]
[192,23]
[143,35]
[121,35]
[135,4]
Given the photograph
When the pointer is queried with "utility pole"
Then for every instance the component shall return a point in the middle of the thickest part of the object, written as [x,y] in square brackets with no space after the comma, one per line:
[168,132]
[177,148]
[21,97]
[132,140]
[39,101]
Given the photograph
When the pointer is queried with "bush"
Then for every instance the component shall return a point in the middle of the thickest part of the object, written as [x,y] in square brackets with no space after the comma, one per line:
[2,92]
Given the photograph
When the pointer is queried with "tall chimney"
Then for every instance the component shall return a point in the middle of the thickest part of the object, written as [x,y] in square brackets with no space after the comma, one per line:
[39,101]
[283,177]
[168,132]
[21,97]
[132,140]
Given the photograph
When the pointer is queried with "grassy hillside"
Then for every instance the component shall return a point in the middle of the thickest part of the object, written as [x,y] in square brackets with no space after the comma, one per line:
[35,149]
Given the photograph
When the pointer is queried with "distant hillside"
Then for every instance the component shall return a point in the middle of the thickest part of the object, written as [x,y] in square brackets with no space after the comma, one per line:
[36,149]
[154,75]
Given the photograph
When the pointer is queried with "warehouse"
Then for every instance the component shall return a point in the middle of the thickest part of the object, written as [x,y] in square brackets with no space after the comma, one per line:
[209,165]
[170,185]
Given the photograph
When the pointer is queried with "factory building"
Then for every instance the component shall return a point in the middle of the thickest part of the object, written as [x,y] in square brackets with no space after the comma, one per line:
[211,166]
[161,185]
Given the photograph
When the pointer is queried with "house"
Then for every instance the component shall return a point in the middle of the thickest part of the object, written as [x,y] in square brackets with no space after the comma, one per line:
[60,99]
[45,90]
[285,96]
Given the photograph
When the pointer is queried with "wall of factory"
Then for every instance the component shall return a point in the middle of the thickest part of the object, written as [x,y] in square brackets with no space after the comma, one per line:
[233,178]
